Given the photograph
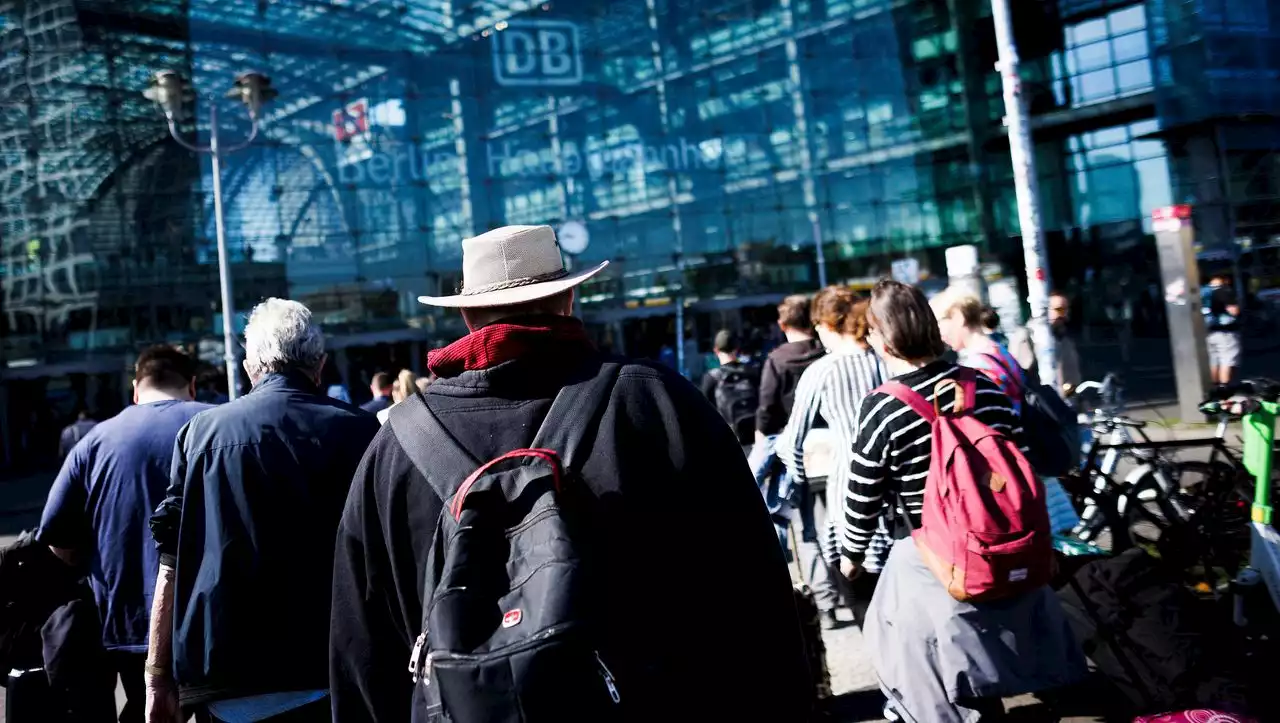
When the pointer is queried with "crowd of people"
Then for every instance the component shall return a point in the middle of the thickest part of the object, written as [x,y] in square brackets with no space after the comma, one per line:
[531,532]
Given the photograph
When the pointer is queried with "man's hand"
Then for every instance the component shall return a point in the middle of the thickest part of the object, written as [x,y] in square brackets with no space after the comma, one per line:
[849,568]
[162,700]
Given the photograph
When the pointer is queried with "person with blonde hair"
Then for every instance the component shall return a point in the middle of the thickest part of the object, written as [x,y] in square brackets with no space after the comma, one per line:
[960,323]
[405,386]
[959,313]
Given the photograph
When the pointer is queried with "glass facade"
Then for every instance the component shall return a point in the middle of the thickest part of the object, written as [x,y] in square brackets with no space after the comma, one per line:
[722,153]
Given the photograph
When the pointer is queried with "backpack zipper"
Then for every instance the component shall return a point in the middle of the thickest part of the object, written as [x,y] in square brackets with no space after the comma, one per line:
[420,665]
[609,681]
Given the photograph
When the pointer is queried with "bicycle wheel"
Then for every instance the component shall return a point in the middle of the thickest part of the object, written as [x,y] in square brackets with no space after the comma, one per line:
[1202,521]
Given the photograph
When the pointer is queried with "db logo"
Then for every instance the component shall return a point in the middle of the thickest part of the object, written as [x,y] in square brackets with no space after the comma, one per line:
[512,618]
[537,53]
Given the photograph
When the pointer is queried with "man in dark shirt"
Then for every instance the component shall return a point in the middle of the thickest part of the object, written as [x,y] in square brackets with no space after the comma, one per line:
[778,382]
[74,432]
[240,623]
[96,514]
[381,387]
[1222,324]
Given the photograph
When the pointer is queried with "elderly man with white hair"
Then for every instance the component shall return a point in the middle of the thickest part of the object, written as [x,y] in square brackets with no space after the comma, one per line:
[240,616]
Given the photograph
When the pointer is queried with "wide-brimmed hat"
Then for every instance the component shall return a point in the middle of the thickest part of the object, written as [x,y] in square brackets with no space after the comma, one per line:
[512,265]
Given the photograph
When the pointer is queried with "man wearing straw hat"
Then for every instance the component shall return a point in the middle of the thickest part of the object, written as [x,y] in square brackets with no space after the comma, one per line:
[692,600]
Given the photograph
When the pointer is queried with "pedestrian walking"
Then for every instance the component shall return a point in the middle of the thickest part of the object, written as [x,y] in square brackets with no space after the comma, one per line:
[381,386]
[778,381]
[406,385]
[95,518]
[245,535]
[594,499]
[733,388]
[959,315]
[1222,323]
[1067,376]
[831,389]
[74,432]
[938,659]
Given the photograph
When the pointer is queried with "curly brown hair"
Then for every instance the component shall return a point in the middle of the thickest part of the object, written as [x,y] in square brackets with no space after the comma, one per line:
[843,311]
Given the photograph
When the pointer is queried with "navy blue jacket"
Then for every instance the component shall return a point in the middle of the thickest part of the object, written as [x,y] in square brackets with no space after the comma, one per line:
[255,497]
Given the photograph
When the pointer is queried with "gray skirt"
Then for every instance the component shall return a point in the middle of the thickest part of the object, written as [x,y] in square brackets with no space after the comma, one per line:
[933,654]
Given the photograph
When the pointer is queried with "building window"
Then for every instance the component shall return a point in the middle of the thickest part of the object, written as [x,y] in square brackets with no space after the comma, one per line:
[1103,59]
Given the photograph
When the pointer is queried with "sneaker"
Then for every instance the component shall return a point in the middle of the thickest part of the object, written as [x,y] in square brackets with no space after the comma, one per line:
[828,620]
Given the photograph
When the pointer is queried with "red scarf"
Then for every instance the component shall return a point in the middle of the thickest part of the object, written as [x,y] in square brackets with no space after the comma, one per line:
[506,340]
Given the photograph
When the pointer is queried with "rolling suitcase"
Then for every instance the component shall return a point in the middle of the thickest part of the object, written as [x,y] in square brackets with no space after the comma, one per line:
[811,628]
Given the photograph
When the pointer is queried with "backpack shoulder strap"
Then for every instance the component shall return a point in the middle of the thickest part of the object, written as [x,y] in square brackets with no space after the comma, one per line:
[911,398]
[432,448]
[575,412]
[1015,379]
[966,383]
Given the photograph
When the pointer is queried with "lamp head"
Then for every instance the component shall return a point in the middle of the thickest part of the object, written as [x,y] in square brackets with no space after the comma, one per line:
[254,90]
[169,90]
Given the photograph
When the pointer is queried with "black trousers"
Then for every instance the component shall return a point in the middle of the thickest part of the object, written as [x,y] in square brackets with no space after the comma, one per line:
[129,666]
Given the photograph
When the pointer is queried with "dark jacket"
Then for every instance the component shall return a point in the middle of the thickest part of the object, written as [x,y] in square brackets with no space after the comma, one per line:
[677,486]
[377,404]
[778,383]
[256,493]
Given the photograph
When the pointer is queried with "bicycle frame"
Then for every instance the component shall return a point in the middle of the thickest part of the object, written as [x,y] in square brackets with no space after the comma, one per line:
[1120,492]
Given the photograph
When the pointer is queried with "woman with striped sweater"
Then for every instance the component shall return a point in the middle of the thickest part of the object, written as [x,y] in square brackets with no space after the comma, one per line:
[938,659]
[830,390]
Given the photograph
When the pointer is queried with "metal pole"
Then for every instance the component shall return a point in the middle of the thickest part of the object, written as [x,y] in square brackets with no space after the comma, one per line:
[224,272]
[1026,185]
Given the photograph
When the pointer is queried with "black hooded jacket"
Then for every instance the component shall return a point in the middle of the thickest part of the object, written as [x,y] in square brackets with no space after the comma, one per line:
[778,383]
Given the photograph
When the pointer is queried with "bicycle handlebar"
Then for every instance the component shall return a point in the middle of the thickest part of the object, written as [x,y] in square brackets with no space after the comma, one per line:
[1266,390]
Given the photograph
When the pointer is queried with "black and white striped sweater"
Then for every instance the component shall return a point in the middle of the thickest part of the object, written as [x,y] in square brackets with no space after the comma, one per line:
[890,459]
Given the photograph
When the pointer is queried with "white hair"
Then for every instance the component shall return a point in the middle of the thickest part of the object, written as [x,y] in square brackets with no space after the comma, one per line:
[280,335]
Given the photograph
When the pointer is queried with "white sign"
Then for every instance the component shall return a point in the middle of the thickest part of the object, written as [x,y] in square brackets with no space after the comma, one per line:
[573,237]
[962,261]
[906,271]
[537,53]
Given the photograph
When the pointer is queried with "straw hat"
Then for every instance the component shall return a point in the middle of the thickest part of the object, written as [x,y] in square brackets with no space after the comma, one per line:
[512,265]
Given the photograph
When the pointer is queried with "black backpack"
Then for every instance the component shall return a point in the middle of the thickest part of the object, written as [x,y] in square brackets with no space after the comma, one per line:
[509,631]
[1049,425]
[737,396]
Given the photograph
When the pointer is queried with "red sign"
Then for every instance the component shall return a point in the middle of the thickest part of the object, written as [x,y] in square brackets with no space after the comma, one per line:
[1181,211]
[351,121]
[512,618]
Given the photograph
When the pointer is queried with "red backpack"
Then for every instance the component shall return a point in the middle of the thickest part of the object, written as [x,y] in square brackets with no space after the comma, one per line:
[984,526]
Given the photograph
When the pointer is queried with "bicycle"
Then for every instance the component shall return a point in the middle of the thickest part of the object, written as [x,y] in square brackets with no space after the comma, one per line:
[1108,437]
[1160,503]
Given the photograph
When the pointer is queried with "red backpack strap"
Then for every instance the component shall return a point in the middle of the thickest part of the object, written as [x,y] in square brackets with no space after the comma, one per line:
[911,398]
[1015,379]
[966,383]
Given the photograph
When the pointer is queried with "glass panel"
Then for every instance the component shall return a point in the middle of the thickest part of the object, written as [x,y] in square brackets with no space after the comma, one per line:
[1129,19]
[1134,76]
[1097,85]
[1130,47]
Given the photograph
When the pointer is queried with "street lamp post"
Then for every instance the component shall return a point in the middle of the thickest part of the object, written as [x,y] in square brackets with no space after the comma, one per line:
[169,91]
